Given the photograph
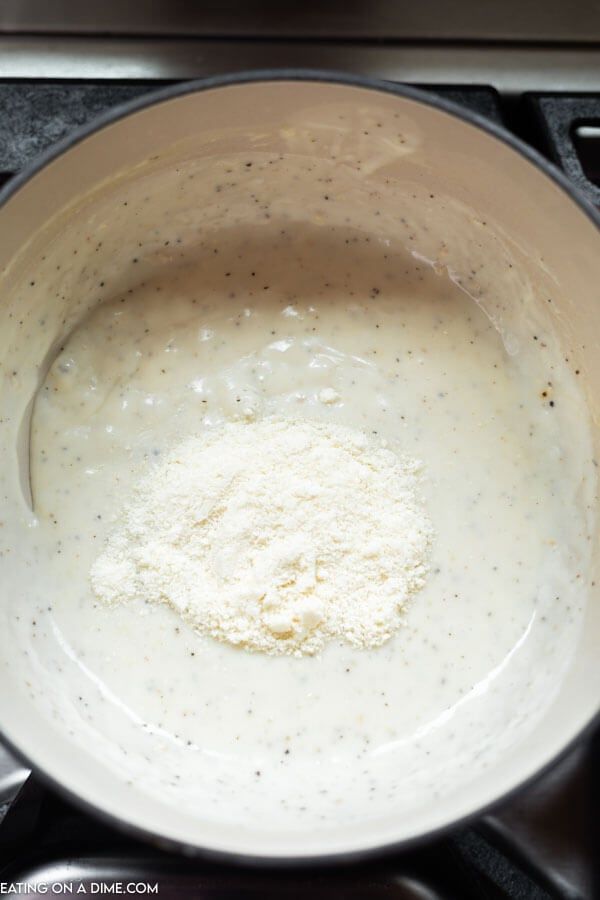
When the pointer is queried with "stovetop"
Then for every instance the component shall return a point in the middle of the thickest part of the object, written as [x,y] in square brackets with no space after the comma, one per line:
[543,843]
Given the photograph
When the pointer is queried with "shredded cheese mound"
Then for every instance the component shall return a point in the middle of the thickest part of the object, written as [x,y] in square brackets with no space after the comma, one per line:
[276,535]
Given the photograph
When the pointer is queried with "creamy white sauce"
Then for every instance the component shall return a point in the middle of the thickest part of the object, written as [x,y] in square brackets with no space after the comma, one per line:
[278,321]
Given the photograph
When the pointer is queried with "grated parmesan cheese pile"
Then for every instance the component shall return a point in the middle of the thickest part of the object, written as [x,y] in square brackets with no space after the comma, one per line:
[275,535]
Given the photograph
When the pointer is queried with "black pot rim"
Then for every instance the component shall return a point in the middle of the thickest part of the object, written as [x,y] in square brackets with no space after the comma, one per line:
[428,99]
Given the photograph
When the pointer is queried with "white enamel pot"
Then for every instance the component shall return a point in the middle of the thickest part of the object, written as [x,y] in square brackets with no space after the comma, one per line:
[480,170]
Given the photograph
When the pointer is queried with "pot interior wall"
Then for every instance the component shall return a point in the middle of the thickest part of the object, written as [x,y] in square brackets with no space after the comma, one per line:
[262,156]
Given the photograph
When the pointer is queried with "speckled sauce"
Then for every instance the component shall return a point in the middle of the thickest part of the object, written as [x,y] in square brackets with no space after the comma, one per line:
[316,245]
[267,320]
